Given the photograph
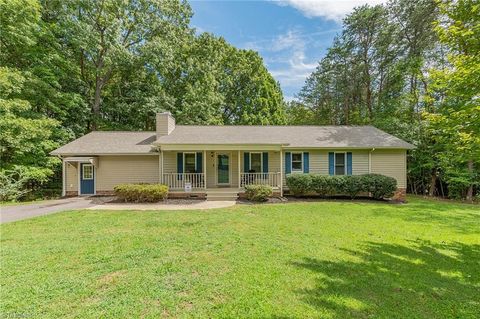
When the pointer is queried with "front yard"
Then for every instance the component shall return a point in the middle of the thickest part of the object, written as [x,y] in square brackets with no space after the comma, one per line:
[297,260]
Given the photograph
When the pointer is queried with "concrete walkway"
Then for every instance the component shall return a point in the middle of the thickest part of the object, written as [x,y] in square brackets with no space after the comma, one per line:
[19,212]
[164,206]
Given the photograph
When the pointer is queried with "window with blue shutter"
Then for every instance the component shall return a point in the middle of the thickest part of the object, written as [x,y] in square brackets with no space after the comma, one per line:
[349,163]
[288,162]
[306,162]
[331,163]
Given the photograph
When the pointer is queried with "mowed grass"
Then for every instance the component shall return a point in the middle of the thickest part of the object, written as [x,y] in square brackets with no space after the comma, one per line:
[296,260]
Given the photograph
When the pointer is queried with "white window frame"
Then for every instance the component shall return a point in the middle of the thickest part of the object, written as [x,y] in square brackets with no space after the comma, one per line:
[344,164]
[291,163]
[184,161]
[250,161]
[83,172]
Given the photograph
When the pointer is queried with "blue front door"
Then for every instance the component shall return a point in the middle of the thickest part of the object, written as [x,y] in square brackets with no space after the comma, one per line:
[87,177]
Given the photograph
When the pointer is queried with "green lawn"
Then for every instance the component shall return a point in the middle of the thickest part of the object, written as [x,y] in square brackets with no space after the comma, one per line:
[297,260]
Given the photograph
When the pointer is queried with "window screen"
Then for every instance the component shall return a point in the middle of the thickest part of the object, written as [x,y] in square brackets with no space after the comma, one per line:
[256,162]
[339,163]
[189,163]
[297,162]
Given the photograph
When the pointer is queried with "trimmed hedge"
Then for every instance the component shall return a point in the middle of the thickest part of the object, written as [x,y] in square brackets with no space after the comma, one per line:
[140,193]
[379,186]
[258,193]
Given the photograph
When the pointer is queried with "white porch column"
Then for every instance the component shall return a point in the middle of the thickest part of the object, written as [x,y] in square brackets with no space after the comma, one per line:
[64,178]
[160,158]
[205,169]
[281,172]
[239,171]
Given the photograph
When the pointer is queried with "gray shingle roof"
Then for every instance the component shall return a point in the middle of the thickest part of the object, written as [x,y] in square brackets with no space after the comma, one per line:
[115,142]
[290,136]
[96,143]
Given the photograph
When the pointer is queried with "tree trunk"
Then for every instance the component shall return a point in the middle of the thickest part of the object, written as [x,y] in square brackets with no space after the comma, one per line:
[96,103]
[470,188]
[433,183]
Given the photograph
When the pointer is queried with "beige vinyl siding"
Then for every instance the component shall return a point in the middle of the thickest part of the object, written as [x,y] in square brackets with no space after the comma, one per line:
[170,162]
[72,177]
[391,163]
[359,162]
[114,170]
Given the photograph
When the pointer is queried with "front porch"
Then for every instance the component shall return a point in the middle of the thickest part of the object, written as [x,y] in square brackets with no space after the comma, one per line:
[205,171]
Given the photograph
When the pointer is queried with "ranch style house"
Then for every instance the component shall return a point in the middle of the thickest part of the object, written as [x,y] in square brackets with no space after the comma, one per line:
[216,162]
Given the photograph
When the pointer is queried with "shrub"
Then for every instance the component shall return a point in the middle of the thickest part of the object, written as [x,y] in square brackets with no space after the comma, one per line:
[380,186]
[141,192]
[321,185]
[337,184]
[353,185]
[13,184]
[299,184]
[258,193]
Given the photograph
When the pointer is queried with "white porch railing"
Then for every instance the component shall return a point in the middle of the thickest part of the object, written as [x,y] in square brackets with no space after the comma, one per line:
[178,180]
[271,179]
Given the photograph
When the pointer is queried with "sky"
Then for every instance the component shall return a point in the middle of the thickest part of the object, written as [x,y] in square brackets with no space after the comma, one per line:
[290,35]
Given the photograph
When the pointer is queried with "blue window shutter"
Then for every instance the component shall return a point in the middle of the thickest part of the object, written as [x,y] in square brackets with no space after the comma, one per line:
[288,162]
[246,162]
[306,162]
[331,163]
[179,164]
[265,162]
[349,163]
[199,162]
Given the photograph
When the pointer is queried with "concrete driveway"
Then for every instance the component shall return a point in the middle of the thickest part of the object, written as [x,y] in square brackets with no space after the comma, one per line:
[13,213]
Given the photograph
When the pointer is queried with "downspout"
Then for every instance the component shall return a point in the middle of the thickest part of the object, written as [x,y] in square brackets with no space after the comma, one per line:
[370,160]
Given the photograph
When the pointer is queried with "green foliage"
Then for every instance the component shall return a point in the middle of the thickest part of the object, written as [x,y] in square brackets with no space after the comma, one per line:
[67,67]
[140,193]
[258,193]
[321,184]
[12,184]
[354,185]
[26,138]
[299,184]
[411,68]
[456,123]
[379,186]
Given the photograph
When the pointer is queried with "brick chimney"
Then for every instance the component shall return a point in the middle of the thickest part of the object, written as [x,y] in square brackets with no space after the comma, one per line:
[165,124]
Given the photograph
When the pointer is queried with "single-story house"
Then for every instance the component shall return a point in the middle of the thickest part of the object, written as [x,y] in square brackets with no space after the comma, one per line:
[216,162]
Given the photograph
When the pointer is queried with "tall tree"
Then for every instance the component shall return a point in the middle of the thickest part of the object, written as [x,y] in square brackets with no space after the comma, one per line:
[456,125]
[105,35]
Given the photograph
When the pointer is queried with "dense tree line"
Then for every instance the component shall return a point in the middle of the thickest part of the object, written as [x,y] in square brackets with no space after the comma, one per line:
[411,68]
[69,67]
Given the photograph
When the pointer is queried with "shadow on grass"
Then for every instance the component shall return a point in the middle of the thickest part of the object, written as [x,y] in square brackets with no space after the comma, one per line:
[423,280]
[463,219]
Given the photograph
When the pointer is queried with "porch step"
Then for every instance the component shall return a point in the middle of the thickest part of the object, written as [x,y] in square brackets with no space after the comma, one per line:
[222,194]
